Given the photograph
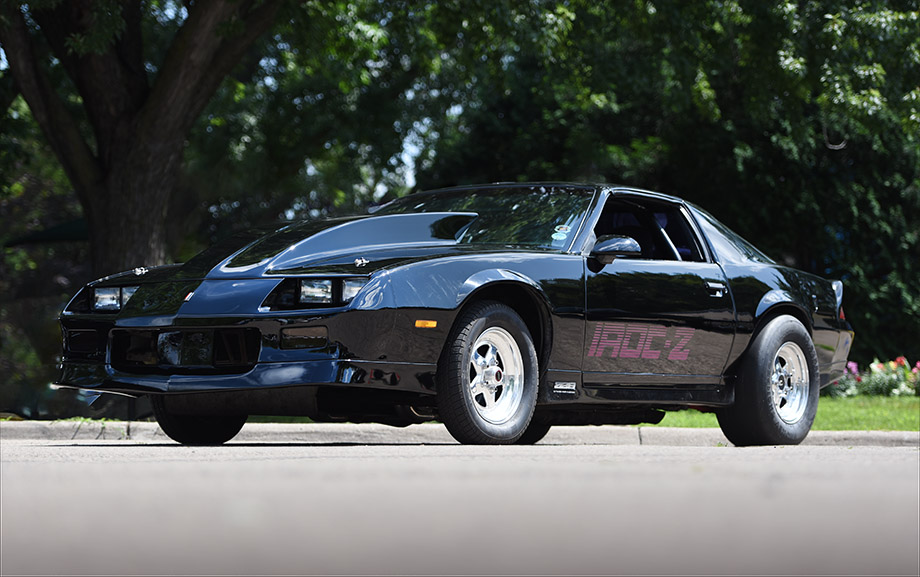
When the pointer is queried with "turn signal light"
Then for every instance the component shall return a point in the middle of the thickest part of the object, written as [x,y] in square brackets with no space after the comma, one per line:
[422,324]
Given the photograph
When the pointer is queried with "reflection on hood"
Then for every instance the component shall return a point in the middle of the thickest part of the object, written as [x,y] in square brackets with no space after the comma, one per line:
[301,244]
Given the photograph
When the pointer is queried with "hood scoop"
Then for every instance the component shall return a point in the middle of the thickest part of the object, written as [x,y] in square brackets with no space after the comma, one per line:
[299,245]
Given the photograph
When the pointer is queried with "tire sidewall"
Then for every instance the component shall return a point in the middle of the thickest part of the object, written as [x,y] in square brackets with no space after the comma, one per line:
[779,331]
[496,315]
[195,430]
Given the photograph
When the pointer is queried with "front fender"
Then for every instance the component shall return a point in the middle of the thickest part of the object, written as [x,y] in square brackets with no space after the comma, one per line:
[437,284]
[485,277]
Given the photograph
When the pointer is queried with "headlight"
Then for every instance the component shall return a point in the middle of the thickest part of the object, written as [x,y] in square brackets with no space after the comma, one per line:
[309,293]
[126,293]
[107,299]
[350,288]
[112,299]
[315,291]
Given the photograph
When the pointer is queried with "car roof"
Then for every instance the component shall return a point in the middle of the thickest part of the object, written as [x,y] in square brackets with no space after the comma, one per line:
[594,186]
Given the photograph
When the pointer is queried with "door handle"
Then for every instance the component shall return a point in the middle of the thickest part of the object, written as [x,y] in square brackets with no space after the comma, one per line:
[716,289]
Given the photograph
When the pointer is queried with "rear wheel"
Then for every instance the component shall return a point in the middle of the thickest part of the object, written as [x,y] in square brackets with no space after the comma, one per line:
[776,396]
[487,376]
[195,429]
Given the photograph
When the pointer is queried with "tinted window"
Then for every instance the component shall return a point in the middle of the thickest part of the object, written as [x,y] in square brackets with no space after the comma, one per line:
[728,245]
[546,216]
[660,228]
[677,228]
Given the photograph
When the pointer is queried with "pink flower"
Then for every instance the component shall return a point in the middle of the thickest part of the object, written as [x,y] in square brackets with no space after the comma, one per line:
[853,368]
[901,361]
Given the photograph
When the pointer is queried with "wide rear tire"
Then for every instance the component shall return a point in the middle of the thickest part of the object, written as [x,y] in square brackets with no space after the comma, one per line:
[776,395]
[487,376]
[196,429]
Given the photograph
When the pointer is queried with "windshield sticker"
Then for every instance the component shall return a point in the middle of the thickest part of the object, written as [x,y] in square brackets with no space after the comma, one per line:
[647,341]
[563,228]
[559,236]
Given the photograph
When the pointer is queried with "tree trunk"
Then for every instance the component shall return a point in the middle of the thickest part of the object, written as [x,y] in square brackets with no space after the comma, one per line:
[126,174]
[128,222]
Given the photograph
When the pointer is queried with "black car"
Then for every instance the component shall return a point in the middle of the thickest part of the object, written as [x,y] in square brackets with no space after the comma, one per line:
[500,310]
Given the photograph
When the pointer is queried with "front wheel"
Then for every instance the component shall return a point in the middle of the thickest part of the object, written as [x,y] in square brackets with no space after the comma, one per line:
[487,376]
[195,429]
[534,433]
[776,395]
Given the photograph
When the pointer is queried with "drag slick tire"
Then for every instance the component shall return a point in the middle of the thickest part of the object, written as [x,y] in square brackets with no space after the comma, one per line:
[487,376]
[195,429]
[776,394]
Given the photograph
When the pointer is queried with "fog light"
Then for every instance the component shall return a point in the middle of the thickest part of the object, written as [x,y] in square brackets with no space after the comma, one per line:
[303,337]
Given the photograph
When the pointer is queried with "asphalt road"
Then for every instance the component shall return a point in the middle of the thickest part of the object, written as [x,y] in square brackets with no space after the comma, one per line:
[361,500]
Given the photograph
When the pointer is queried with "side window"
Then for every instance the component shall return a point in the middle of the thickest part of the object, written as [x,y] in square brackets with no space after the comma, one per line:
[660,228]
[675,225]
[628,219]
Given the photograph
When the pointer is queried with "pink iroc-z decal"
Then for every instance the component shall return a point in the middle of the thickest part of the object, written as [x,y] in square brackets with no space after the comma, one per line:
[645,341]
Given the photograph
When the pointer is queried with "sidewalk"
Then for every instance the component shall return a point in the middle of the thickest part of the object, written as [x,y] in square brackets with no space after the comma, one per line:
[369,434]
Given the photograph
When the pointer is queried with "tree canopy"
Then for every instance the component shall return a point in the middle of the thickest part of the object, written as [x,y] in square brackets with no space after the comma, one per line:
[796,124]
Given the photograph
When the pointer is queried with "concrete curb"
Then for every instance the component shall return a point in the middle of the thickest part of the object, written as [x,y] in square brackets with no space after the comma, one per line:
[370,434]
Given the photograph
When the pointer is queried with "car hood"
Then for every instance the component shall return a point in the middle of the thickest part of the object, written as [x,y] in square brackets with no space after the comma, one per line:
[352,245]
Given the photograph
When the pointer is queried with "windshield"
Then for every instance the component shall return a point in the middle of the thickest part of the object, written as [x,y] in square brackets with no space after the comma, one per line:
[544,216]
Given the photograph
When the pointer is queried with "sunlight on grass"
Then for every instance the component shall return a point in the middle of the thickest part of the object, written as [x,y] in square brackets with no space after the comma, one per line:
[868,414]
[848,414]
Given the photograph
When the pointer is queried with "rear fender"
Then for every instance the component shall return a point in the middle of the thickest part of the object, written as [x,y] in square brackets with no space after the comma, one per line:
[773,304]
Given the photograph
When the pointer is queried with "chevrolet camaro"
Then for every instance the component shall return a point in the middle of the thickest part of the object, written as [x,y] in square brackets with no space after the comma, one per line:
[500,310]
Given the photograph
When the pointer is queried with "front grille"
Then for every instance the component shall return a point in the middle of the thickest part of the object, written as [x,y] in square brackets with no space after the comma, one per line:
[196,351]
[82,340]
[84,343]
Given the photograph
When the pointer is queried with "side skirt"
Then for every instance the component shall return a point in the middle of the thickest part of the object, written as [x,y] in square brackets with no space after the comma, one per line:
[561,388]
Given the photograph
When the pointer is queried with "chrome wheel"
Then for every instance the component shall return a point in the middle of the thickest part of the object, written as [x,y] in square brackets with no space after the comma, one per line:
[487,379]
[789,383]
[496,375]
[775,400]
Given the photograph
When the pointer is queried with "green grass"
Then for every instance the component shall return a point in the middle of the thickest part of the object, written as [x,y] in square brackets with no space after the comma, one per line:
[847,414]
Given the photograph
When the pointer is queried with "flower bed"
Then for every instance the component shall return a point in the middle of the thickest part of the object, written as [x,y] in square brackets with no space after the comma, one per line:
[890,379]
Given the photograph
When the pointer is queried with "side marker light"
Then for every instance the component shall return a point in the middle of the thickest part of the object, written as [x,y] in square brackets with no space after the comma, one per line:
[422,324]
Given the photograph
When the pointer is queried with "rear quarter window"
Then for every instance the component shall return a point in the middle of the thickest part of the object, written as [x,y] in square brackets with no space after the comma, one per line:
[728,245]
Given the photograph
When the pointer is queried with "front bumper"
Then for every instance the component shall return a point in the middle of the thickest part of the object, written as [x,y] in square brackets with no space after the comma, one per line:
[378,349]
[409,377]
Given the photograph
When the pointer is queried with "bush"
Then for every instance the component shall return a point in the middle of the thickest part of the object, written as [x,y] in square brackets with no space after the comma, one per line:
[892,379]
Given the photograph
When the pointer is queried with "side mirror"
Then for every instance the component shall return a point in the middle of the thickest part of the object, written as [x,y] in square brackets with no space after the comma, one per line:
[612,246]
